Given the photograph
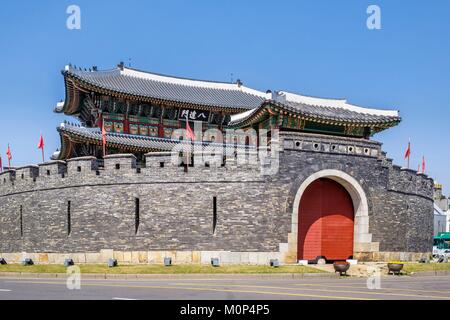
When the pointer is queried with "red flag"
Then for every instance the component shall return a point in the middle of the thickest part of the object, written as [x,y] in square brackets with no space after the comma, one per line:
[408,151]
[104,139]
[99,120]
[189,133]
[104,135]
[408,154]
[41,143]
[41,146]
[8,153]
[9,156]
[423,164]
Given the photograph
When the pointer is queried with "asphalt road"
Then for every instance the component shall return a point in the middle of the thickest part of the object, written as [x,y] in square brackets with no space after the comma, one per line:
[247,288]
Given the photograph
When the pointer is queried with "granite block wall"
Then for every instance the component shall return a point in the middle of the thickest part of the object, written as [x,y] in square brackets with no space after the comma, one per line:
[254,210]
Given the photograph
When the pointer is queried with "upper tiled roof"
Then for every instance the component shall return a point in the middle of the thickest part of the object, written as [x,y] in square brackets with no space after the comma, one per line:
[150,85]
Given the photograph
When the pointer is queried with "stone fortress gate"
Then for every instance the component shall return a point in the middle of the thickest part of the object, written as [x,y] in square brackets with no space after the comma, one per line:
[334,194]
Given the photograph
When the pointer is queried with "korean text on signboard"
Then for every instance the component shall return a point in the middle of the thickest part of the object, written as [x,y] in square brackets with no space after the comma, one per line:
[194,115]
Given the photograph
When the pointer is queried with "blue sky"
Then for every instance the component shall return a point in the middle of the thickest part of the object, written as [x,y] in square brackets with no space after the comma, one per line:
[320,48]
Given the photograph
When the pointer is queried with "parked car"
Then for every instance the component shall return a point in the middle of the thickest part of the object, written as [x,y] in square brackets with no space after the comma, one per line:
[443,257]
[441,244]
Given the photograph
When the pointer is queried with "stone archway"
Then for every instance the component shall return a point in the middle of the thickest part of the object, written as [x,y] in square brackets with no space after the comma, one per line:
[362,240]
[326,227]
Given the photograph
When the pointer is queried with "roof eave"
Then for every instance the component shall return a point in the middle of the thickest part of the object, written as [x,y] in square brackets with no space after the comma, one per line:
[254,116]
[126,95]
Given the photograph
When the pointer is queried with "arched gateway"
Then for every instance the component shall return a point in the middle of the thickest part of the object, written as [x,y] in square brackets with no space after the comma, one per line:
[330,217]
[326,222]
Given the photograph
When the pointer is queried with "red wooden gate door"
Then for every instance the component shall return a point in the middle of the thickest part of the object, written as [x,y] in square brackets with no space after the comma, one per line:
[325,222]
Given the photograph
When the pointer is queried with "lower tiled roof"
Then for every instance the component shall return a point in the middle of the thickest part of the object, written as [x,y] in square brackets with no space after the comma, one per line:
[339,116]
[126,141]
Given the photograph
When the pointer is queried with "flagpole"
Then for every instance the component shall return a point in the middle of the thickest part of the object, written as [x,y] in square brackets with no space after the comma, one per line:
[9,158]
[42,149]
[104,138]
[409,152]
[423,164]
[187,161]
[409,156]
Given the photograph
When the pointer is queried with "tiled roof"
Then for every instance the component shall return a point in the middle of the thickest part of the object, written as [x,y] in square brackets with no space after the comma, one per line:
[150,85]
[248,104]
[143,143]
[331,114]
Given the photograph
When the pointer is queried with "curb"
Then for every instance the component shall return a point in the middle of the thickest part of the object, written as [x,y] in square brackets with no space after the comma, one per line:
[430,273]
[191,276]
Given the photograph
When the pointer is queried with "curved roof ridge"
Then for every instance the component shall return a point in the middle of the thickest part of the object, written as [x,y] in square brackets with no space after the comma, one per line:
[310,96]
[150,85]
[336,103]
[171,76]
[73,68]
[130,72]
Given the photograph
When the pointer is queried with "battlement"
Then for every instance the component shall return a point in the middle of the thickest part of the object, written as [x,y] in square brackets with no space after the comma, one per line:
[212,166]
[124,168]
[329,144]
[398,179]
[82,164]
[410,181]
[120,161]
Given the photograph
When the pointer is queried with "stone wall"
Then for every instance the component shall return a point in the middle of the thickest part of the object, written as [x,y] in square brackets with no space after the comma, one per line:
[254,211]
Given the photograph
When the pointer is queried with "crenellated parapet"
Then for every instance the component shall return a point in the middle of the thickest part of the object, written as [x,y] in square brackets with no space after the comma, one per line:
[243,164]
[82,164]
[124,169]
[398,179]
[52,168]
[409,181]
[8,176]
[406,181]
[120,161]
[329,144]
[27,172]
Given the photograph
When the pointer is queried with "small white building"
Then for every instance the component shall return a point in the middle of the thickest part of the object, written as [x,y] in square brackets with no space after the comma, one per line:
[440,220]
[448,221]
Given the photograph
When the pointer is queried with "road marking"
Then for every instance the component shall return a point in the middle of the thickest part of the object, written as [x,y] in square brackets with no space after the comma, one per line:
[365,287]
[352,280]
[213,290]
[323,290]
[5,290]
[126,299]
